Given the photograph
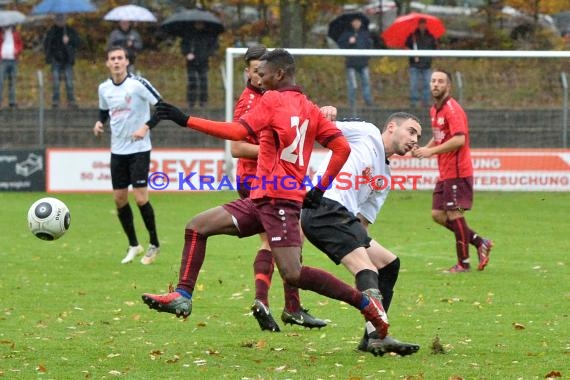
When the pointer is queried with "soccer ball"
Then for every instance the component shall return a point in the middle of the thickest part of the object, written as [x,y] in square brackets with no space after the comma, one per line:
[48,218]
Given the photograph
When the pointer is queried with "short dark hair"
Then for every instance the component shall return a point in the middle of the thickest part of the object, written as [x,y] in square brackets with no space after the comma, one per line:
[280,59]
[399,117]
[254,53]
[447,74]
[113,48]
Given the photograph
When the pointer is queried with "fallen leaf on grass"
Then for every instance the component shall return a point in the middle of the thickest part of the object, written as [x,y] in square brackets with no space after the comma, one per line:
[518,326]
[455,377]
[553,374]
[174,359]
[8,342]
[41,368]
[115,373]
[436,346]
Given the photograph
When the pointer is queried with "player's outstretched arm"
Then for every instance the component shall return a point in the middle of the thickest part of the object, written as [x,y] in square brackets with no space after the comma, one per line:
[229,131]
[166,111]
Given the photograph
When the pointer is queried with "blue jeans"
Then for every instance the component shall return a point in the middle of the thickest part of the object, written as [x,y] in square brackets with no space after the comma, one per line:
[352,85]
[420,78]
[9,71]
[57,70]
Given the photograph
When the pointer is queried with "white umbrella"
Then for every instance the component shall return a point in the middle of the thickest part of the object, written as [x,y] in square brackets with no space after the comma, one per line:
[130,13]
[11,18]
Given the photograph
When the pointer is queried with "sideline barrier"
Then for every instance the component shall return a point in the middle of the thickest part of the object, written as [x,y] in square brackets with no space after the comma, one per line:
[87,170]
[22,170]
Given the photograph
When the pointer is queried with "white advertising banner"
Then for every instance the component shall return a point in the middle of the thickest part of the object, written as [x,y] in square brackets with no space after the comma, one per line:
[87,170]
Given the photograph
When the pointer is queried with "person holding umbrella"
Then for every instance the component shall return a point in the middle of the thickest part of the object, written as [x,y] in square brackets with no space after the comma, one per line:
[60,45]
[10,48]
[357,37]
[124,35]
[197,47]
[420,67]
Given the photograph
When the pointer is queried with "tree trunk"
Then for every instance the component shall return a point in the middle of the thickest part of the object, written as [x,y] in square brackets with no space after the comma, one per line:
[292,17]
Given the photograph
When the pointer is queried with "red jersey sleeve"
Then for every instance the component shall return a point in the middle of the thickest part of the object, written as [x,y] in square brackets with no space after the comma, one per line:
[456,119]
[260,118]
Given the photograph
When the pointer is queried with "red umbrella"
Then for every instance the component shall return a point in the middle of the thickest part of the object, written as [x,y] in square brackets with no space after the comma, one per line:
[395,35]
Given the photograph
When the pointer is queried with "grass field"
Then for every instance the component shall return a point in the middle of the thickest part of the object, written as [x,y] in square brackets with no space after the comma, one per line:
[70,310]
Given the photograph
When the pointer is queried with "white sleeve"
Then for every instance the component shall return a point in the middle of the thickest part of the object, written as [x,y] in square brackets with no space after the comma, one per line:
[102,101]
[353,131]
[149,92]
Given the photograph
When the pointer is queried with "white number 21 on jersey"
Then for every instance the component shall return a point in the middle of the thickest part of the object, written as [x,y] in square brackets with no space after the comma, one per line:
[288,153]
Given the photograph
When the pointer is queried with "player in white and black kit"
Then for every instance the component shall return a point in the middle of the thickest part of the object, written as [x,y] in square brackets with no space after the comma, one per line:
[125,101]
[339,226]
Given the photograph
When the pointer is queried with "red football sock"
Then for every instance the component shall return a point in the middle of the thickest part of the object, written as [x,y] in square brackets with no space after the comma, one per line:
[326,284]
[474,238]
[292,299]
[263,270]
[462,236]
[193,255]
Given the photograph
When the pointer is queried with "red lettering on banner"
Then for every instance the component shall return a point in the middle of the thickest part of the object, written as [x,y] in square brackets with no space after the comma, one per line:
[206,167]
[187,168]
[166,167]
[220,171]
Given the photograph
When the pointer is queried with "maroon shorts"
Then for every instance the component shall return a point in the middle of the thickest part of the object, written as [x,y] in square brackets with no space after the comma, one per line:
[453,194]
[244,189]
[279,218]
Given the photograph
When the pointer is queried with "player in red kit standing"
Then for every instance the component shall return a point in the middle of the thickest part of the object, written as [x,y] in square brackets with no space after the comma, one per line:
[246,151]
[453,193]
[288,124]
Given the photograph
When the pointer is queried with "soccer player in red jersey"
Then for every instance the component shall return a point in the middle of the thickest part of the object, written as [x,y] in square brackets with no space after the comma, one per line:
[263,265]
[453,193]
[287,124]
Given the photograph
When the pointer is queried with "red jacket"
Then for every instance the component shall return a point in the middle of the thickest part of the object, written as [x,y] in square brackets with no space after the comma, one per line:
[18,45]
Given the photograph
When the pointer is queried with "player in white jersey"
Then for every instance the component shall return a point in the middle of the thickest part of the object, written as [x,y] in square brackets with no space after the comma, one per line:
[339,226]
[125,101]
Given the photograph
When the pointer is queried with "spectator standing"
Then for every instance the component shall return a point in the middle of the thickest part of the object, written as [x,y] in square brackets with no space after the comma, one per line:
[358,37]
[453,193]
[124,35]
[420,67]
[197,47]
[10,48]
[60,46]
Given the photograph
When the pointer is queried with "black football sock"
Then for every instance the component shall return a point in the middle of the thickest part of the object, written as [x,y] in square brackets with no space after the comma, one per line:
[125,215]
[147,213]
[387,278]
[366,279]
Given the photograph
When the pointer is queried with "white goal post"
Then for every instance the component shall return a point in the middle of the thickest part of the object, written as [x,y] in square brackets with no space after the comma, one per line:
[232,53]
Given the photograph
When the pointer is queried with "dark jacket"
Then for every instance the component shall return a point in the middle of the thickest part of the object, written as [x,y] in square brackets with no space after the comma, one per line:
[422,41]
[202,45]
[54,48]
[119,37]
[363,41]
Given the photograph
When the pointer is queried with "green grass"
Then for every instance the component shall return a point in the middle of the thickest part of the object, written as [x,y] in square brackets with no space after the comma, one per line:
[70,310]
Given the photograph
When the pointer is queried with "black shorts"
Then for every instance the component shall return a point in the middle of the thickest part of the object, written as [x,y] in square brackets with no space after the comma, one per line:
[334,230]
[130,169]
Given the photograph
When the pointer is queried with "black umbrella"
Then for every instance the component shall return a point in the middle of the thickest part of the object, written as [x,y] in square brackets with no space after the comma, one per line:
[184,22]
[342,23]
